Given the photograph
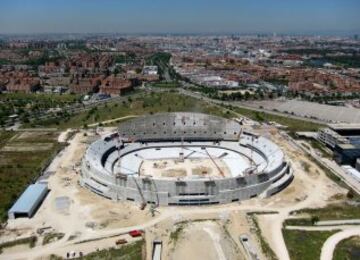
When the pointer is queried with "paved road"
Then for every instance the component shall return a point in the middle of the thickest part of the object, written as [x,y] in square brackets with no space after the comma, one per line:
[242,105]
[338,222]
[320,228]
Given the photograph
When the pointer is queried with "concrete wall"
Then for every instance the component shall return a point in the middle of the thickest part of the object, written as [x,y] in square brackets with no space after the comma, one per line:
[172,192]
[98,176]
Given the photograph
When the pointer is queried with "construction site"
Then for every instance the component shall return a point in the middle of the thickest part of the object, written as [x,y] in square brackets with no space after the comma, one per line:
[184,159]
[173,195]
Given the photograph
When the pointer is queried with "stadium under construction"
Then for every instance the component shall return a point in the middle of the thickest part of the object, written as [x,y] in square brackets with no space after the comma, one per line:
[184,159]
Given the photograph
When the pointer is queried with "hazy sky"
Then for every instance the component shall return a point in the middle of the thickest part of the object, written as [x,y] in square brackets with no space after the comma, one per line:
[181,16]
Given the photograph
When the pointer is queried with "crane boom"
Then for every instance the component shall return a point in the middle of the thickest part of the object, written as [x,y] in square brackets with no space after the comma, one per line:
[217,166]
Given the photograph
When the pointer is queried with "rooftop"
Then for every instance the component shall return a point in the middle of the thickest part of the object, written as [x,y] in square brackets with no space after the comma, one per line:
[29,198]
[344,126]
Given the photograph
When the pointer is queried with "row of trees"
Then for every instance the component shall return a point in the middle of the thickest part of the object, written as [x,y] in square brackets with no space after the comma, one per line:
[323,97]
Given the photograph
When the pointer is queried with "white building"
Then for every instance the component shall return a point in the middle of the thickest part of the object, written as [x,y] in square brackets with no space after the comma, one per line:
[352,172]
[150,70]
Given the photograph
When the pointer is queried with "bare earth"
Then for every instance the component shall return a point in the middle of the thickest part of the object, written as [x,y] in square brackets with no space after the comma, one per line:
[85,216]
[189,167]
[204,240]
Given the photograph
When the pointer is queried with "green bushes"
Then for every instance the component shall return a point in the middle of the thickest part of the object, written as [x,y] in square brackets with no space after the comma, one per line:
[20,168]
[305,244]
[31,241]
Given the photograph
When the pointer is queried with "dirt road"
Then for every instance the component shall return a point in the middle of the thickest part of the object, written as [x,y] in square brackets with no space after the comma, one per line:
[113,120]
[329,246]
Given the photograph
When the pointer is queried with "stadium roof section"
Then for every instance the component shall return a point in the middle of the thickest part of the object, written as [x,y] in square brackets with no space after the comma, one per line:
[29,201]
[180,126]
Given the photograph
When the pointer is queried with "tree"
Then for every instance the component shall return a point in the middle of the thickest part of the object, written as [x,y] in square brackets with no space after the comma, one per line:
[116,71]
[350,194]
[314,219]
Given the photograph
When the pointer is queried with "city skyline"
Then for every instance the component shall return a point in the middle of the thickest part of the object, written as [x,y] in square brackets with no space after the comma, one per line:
[157,17]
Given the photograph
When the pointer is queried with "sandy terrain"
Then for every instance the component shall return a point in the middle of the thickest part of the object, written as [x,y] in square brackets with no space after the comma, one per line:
[310,188]
[198,236]
[82,215]
[188,167]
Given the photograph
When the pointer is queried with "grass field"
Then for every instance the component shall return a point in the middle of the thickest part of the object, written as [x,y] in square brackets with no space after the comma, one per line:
[170,101]
[18,168]
[133,251]
[172,84]
[5,136]
[27,104]
[144,104]
[305,244]
[321,148]
[330,212]
[348,249]
[293,125]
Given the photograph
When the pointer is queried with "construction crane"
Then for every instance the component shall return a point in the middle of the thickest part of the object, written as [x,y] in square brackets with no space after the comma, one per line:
[143,201]
[240,133]
[153,207]
[125,176]
[156,192]
[217,166]
[120,145]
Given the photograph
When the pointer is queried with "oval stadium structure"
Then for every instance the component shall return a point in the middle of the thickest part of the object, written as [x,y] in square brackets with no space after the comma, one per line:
[184,159]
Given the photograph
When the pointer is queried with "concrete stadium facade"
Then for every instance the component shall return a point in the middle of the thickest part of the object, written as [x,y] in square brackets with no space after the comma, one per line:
[110,166]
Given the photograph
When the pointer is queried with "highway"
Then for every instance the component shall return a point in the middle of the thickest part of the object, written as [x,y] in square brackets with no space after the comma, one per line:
[242,105]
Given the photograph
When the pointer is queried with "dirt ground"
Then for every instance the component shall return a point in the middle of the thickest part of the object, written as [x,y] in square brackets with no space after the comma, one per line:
[188,167]
[310,189]
[35,134]
[197,236]
[200,229]
[83,216]
[26,147]
[83,213]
